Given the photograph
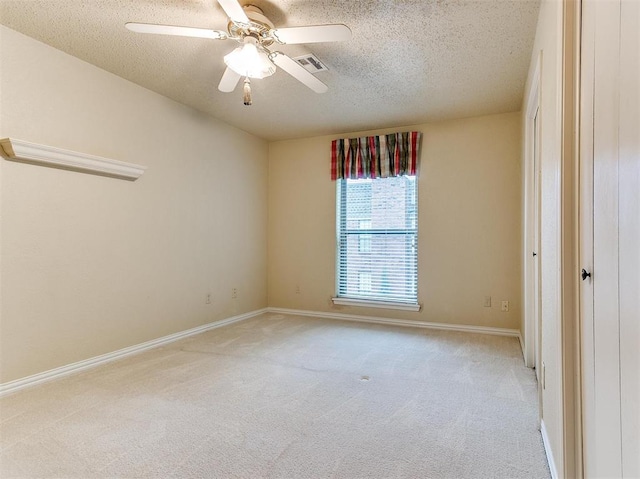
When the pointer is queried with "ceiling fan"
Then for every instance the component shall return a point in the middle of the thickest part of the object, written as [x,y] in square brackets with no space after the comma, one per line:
[256,34]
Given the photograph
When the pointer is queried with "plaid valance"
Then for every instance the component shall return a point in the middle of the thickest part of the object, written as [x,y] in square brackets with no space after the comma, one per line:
[375,156]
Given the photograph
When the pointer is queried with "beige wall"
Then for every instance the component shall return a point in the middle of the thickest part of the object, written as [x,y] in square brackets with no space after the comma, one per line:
[469,223]
[92,264]
[548,44]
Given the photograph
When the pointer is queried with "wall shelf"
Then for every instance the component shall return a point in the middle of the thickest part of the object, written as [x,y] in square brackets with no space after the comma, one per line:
[26,152]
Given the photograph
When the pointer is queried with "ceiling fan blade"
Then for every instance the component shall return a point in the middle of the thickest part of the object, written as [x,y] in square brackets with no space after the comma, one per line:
[229,81]
[312,34]
[234,11]
[297,71]
[178,31]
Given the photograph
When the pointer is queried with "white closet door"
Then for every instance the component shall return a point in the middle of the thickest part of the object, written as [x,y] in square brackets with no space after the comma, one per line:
[629,235]
[605,241]
[610,237]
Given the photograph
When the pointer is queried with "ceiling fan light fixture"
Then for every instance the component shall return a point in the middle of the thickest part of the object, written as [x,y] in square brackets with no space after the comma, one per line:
[250,60]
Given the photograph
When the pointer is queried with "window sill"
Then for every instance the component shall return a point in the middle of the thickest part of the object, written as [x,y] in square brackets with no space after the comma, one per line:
[376,304]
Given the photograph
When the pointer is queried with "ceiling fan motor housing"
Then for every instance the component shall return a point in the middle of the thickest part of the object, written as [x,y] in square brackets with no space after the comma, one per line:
[259,26]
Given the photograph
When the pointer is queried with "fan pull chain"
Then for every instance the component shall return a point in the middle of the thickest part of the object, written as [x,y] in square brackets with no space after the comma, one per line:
[247,91]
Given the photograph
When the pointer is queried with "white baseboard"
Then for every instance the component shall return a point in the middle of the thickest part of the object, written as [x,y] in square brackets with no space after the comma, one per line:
[548,451]
[73,368]
[399,322]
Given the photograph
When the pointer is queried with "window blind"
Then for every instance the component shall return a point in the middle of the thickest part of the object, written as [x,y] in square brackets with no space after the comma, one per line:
[377,239]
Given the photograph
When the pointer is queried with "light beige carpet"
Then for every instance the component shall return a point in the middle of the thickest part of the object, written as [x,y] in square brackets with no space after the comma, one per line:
[291,397]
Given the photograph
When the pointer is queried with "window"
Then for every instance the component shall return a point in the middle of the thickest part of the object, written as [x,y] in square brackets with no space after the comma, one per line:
[377,238]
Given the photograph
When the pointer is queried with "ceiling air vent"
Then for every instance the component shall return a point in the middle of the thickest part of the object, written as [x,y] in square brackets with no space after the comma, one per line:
[311,63]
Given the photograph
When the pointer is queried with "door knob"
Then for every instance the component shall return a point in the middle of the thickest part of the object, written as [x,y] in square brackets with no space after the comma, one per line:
[585,274]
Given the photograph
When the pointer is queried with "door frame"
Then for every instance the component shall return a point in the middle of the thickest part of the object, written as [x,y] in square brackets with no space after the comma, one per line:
[531,242]
[570,333]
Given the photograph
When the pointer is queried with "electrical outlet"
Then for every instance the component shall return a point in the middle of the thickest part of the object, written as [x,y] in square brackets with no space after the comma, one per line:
[505,307]
[487,301]
[208,300]
[234,293]
[297,289]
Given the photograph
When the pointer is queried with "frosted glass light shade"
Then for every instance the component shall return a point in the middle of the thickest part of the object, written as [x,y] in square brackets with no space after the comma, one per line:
[250,61]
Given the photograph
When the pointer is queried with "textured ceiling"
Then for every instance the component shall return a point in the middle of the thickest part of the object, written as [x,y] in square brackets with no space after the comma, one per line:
[409,61]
